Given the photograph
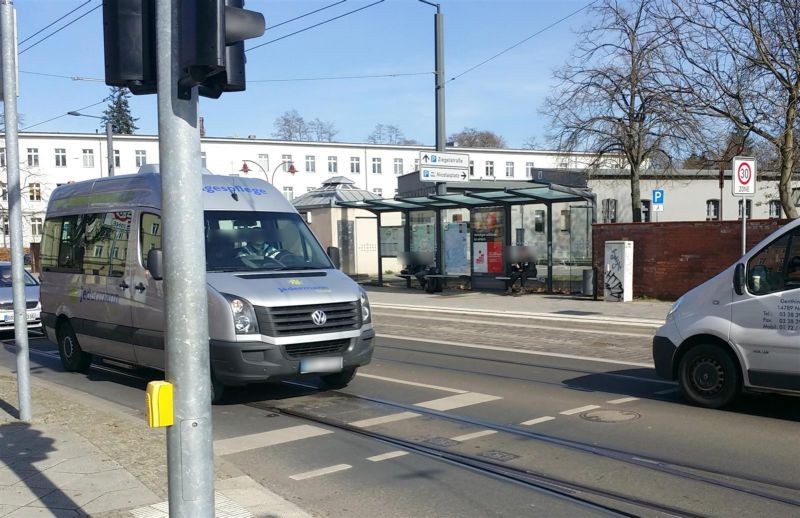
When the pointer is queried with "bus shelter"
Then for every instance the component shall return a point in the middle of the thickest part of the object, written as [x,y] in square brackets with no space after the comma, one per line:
[478,219]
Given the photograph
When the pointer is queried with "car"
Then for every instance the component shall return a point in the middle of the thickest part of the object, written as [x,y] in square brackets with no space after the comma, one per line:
[32,305]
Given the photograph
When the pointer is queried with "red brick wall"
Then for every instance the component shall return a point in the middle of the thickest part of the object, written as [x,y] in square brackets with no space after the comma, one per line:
[671,258]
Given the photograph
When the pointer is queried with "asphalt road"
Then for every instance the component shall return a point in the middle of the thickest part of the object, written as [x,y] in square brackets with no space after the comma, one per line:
[474,417]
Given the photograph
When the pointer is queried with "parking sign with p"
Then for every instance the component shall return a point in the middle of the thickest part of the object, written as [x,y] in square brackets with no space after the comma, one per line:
[744,176]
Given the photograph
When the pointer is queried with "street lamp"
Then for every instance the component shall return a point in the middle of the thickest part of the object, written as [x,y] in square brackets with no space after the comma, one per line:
[438,40]
[246,169]
[109,139]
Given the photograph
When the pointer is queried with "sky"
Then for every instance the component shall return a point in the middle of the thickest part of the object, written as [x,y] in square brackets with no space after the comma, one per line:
[392,37]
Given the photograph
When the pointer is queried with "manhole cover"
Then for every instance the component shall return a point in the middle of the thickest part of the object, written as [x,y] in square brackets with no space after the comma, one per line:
[498,455]
[603,415]
[441,441]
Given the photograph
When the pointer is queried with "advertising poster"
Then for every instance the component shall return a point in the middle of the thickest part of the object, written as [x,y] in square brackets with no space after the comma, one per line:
[422,237]
[456,247]
[391,241]
[488,238]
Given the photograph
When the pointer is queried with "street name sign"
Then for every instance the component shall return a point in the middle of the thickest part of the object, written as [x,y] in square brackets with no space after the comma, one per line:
[436,159]
[442,174]
[744,176]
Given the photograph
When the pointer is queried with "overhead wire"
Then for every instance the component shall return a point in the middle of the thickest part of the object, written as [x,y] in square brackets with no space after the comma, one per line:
[316,25]
[306,14]
[60,29]
[331,78]
[540,31]
[65,114]
[54,22]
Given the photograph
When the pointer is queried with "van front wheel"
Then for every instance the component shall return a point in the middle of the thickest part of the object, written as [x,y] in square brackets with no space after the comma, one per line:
[72,356]
[340,379]
[708,376]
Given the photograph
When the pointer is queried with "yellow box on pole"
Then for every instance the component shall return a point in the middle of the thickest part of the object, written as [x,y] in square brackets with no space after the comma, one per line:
[159,404]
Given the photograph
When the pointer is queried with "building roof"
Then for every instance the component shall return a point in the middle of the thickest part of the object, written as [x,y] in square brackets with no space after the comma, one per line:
[333,191]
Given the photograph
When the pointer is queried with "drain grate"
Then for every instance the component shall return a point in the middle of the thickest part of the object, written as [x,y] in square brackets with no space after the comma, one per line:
[441,441]
[604,415]
[501,456]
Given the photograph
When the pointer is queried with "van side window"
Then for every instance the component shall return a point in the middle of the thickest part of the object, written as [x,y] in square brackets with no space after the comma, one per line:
[149,235]
[765,270]
[71,249]
[51,239]
[793,263]
[106,243]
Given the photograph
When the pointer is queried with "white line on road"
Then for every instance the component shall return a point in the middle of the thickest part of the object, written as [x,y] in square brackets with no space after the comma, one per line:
[387,456]
[467,437]
[527,351]
[538,420]
[391,418]
[622,400]
[264,439]
[457,401]
[412,383]
[320,472]
[667,391]
[579,410]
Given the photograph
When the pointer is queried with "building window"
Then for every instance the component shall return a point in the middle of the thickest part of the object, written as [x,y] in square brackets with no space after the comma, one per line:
[311,164]
[203,158]
[712,210]
[378,192]
[398,166]
[416,164]
[528,169]
[538,221]
[749,209]
[35,191]
[509,169]
[61,157]
[795,196]
[646,211]
[36,226]
[609,210]
[2,157]
[288,193]
[563,164]
[141,157]
[286,160]
[472,168]
[355,164]
[116,158]
[263,161]
[88,158]
[333,164]
[489,168]
[376,166]
[33,157]
[565,220]
[5,191]
[775,209]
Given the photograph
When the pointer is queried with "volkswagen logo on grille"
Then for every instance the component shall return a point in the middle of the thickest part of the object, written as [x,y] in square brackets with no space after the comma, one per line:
[319,317]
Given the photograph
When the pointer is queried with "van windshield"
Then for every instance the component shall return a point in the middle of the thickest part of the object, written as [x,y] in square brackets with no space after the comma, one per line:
[246,240]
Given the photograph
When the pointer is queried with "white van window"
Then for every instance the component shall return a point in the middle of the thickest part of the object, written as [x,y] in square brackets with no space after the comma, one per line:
[149,235]
[106,243]
[793,263]
[50,240]
[771,269]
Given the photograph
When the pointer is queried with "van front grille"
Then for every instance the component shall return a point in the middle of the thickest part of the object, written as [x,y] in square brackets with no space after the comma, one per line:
[8,306]
[298,320]
[316,348]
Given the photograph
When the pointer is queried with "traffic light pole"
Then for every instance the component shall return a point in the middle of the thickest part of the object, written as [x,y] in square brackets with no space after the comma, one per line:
[190,460]
[9,54]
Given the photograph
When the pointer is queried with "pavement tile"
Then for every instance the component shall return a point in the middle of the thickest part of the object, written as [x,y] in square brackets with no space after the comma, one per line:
[104,481]
[256,498]
[66,499]
[6,509]
[9,477]
[123,499]
[35,512]
[86,465]
[21,495]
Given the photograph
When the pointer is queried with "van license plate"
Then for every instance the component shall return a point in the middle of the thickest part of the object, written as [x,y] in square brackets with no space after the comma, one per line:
[310,365]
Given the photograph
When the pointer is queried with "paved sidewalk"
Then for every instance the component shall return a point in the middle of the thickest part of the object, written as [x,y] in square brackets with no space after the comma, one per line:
[83,456]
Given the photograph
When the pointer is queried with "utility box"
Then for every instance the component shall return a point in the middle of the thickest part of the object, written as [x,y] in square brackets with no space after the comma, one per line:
[618,271]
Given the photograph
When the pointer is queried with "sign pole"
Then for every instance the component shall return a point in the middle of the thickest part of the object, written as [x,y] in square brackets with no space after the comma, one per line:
[744,185]
[744,224]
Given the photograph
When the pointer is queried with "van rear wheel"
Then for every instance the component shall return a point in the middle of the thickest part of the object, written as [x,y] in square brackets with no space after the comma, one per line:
[340,379]
[709,377]
[217,390]
[72,356]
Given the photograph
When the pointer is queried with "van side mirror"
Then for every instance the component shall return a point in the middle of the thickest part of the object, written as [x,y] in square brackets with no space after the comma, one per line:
[333,253]
[738,279]
[155,263]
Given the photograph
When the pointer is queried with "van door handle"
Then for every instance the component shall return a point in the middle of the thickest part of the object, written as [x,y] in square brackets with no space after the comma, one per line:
[124,285]
[140,287]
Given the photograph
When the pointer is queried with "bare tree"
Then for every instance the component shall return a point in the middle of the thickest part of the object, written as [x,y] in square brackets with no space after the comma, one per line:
[739,61]
[322,131]
[388,134]
[610,98]
[471,137]
[291,126]
[532,143]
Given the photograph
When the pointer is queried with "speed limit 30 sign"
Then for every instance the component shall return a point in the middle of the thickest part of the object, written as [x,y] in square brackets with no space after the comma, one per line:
[744,176]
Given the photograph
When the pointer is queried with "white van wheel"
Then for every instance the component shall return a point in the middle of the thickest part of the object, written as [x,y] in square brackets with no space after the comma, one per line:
[217,390]
[708,376]
[72,356]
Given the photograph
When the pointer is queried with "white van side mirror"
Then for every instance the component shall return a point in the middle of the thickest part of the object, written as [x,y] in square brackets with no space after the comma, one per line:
[155,263]
[738,279]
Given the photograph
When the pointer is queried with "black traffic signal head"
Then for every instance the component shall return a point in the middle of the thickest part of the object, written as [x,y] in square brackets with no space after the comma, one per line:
[129,40]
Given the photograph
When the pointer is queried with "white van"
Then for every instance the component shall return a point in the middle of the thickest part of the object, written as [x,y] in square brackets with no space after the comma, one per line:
[739,330]
[278,307]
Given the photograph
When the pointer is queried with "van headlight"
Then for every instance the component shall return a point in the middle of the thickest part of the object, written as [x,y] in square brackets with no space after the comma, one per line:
[244,316]
[366,314]
[674,308]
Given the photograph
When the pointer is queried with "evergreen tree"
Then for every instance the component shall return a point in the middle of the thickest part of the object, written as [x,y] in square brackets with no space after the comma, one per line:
[119,112]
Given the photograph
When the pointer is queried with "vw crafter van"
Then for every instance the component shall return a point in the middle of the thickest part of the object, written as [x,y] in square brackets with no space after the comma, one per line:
[739,330]
[277,306]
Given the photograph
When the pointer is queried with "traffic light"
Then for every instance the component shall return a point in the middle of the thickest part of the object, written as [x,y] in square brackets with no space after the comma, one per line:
[211,53]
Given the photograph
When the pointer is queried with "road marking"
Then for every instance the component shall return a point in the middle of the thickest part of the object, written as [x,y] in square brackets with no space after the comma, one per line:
[391,418]
[467,437]
[457,401]
[387,456]
[525,351]
[622,400]
[264,439]
[412,383]
[320,472]
[538,420]
[667,391]
[579,410]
